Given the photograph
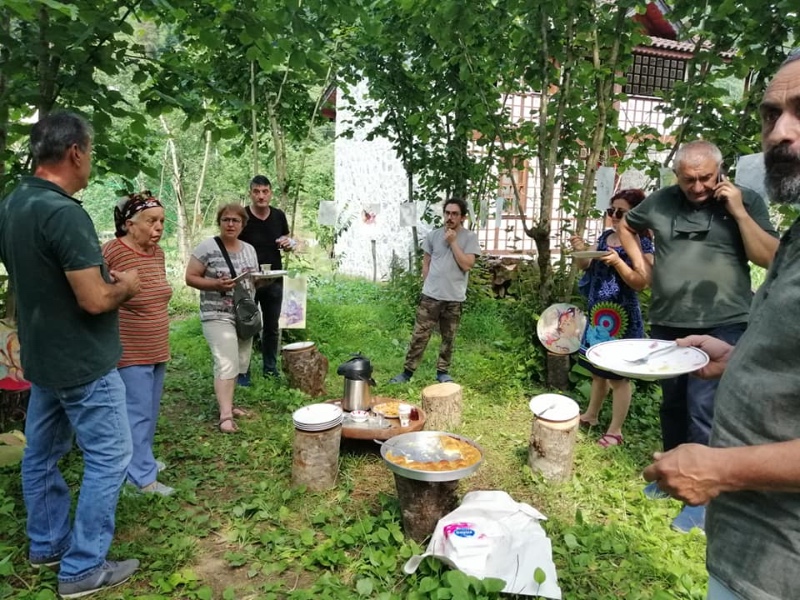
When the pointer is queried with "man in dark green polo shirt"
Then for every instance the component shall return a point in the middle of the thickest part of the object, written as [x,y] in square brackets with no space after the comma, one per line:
[69,346]
[751,472]
[707,231]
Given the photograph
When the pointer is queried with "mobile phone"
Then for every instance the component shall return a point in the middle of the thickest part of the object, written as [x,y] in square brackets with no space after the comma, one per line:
[240,277]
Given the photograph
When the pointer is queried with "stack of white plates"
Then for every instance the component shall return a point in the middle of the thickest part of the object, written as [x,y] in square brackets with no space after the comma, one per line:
[317,417]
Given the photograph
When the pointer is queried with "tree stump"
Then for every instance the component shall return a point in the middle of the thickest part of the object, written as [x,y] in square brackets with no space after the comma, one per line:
[551,448]
[442,403]
[315,459]
[558,367]
[423,503]
[305,367]
[13,408]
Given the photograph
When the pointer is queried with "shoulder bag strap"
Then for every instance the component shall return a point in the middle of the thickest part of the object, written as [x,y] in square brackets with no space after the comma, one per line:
[225,255]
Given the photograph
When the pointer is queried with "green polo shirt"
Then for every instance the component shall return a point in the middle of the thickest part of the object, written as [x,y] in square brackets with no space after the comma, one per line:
[754,536]
[43,233]
[701,275]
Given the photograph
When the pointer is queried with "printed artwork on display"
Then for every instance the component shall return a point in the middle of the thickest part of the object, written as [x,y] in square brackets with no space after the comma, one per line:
[293,306]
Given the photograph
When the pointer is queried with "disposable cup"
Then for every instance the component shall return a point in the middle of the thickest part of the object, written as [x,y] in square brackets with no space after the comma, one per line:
[404,412]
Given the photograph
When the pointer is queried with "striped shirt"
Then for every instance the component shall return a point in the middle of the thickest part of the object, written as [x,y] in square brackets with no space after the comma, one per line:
[143,320]
[213,305]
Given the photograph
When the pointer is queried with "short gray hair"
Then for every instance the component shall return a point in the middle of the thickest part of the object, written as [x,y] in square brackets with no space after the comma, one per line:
[791,57]
[699,148]
[56,133]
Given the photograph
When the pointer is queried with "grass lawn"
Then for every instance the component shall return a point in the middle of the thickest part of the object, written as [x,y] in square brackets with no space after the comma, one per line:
[236,529]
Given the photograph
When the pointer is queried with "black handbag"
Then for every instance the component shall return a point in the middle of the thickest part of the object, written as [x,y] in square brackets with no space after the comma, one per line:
[245,310]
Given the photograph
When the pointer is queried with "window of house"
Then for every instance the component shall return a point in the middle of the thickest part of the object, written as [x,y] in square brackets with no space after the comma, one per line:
[649,74]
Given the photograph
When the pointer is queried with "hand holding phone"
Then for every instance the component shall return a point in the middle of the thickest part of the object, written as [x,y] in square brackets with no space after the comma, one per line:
[239,277]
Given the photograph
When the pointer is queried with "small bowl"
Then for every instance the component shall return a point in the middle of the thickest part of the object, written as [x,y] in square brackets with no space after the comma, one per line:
[359,416]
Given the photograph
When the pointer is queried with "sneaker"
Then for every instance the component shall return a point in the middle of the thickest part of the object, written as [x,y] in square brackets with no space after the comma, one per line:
[46,562]
[652,491]
[157,488]
[107,576]
[443,377]
[243,380]
[689,518]
[402,378]
[160,466]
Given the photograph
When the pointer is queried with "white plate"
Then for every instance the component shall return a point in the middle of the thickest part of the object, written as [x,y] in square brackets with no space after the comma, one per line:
[589,253]
[610,356]
[317,414]
[298,346]
[554,407]
[269,275]
[560,328]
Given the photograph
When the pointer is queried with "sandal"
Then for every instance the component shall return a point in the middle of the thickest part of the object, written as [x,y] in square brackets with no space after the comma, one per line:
[242,413]
[609,439]
[234,428]
[586,424]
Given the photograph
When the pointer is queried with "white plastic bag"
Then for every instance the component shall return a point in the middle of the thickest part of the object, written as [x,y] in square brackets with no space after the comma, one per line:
[491,535]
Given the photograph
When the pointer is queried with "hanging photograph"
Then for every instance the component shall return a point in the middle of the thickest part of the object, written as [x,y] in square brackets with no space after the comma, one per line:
[293,307]
[408,214]
[327,213]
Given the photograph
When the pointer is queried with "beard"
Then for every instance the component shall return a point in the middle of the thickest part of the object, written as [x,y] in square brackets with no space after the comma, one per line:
[782,178]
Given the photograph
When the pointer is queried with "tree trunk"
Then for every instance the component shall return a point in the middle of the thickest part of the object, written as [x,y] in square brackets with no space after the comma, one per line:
[197,212]
[315,458]
[253,116]
[423,503]
[184,242]
[551,448]
[442,403]
[5,25]
[281,171]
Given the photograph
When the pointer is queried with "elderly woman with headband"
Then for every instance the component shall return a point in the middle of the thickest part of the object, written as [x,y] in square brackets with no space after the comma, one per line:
[144,328]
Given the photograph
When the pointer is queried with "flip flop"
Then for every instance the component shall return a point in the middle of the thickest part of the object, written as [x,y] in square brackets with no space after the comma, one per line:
[242,413]
[234,428]
[609,439]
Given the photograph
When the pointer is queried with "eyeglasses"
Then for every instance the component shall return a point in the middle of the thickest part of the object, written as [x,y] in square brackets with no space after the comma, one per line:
[230,220]
[616,213]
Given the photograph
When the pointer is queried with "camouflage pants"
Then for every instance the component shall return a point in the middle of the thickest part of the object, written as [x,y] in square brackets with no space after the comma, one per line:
[431,313]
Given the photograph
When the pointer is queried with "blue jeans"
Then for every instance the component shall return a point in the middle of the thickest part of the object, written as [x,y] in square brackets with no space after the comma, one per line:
[719,591]
[687,408]
[95,413]
[143,387]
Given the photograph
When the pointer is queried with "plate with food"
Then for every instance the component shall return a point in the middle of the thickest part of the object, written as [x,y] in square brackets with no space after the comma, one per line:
[643,358]
[589,253]
[432,455]
[390,410]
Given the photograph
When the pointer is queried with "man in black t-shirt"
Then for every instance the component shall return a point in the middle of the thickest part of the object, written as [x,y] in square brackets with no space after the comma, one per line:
[267,230]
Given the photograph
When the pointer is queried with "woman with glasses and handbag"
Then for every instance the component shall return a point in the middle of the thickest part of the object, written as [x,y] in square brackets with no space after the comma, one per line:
[217,266]
[610,285]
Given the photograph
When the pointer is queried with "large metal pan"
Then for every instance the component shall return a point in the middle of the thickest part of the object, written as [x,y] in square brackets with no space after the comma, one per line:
[424,446]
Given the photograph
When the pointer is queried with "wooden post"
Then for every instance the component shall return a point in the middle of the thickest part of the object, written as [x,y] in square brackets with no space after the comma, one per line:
[305,369]
[423,503]
[442,403]
[558,367]
[315,460]
[551,448]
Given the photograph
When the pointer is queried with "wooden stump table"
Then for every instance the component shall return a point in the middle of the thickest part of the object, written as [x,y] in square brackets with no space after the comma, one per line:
[442,403]
[305,367]
[315,458]
[551,448]
[423,503]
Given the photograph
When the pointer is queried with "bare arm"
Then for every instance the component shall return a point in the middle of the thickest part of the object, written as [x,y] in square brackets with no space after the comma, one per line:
[632,278]
[695,474]
[759,245]
[426,265]
[95,296]
[464,261]
[195,277]
[630,242]
[577,243]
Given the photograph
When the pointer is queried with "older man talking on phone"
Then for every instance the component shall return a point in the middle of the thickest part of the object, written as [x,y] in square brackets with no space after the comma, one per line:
[707,231]
[751,472]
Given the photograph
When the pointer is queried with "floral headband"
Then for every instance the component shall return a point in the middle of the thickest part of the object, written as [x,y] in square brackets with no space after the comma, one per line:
[129,206]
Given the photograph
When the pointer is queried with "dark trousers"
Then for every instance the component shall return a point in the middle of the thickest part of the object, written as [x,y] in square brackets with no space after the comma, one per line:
[431,313]
[687,407]
[269,299]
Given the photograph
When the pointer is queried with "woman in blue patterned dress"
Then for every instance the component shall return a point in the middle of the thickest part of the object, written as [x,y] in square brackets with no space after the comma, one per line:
[613,311]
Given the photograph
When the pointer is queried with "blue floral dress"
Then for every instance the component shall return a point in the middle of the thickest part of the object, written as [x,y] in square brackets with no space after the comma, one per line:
[613,310]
